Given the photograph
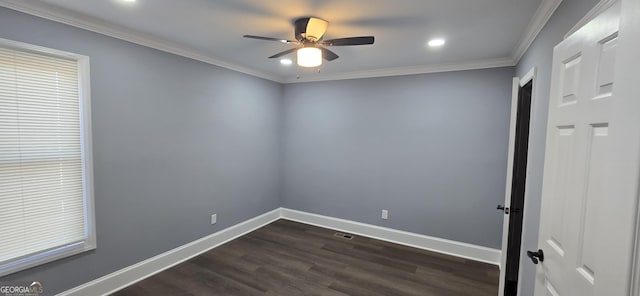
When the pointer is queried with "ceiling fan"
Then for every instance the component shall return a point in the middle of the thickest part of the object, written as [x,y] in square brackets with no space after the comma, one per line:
[310,47]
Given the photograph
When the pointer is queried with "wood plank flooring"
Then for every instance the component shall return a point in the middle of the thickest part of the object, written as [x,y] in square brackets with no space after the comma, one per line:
[289,258]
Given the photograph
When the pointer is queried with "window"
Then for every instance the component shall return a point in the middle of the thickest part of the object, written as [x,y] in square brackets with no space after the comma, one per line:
[46,195]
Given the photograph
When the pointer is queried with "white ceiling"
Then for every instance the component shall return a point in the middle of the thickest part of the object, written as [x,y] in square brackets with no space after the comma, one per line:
[479,33]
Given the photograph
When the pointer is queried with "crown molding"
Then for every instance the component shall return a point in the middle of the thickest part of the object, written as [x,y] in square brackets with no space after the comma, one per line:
[540,18]
[412,70]
[595,11]
[50,12]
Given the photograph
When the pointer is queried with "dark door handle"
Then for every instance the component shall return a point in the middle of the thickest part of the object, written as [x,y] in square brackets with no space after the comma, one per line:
[502,208]
[536,256]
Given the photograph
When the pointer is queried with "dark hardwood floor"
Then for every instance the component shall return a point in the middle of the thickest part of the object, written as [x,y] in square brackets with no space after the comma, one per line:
[289,258]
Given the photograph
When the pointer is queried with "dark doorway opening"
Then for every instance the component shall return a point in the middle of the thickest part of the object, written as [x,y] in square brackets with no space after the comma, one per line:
[518,189]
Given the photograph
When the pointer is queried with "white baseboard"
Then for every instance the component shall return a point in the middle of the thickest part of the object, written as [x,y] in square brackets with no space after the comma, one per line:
[439,245]
[144,269]
[141,270]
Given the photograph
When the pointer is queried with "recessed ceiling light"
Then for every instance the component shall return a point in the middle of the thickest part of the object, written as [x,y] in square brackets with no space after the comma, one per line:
[436,42]
[286,62]
[130,1]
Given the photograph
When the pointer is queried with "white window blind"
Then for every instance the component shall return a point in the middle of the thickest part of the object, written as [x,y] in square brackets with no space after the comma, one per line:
[43,188]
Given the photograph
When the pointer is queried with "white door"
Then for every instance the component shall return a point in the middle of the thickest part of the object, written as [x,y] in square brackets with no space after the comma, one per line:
[586,224]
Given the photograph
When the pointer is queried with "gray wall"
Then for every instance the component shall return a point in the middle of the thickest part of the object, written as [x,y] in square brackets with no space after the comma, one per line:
[175,140]
[429,148]
[540,55]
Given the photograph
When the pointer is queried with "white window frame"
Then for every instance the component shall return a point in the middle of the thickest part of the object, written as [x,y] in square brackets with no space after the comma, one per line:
[84,88]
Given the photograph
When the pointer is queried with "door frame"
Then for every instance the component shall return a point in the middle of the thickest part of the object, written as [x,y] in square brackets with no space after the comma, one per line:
[635,273]
[628,52]
[517,84]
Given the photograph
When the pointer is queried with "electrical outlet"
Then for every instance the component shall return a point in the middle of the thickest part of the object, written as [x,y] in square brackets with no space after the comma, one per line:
[385,214]
[214,219]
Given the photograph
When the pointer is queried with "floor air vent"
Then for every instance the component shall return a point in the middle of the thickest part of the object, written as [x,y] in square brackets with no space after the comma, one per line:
[343,235]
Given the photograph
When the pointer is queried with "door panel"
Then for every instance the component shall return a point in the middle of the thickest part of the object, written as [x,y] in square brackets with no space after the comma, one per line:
[550,290]
[564,148]
[606,66]
[589,224]
[570,78]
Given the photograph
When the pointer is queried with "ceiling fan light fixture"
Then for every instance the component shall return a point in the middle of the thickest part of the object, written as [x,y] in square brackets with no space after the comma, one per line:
[309,57]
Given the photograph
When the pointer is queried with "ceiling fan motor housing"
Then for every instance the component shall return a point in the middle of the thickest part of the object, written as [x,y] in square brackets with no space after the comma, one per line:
[310,29]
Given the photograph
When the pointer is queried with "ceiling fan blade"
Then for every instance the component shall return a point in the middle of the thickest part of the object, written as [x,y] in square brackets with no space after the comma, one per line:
[328,55]
[271,39]
[284,53]
[349,41]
